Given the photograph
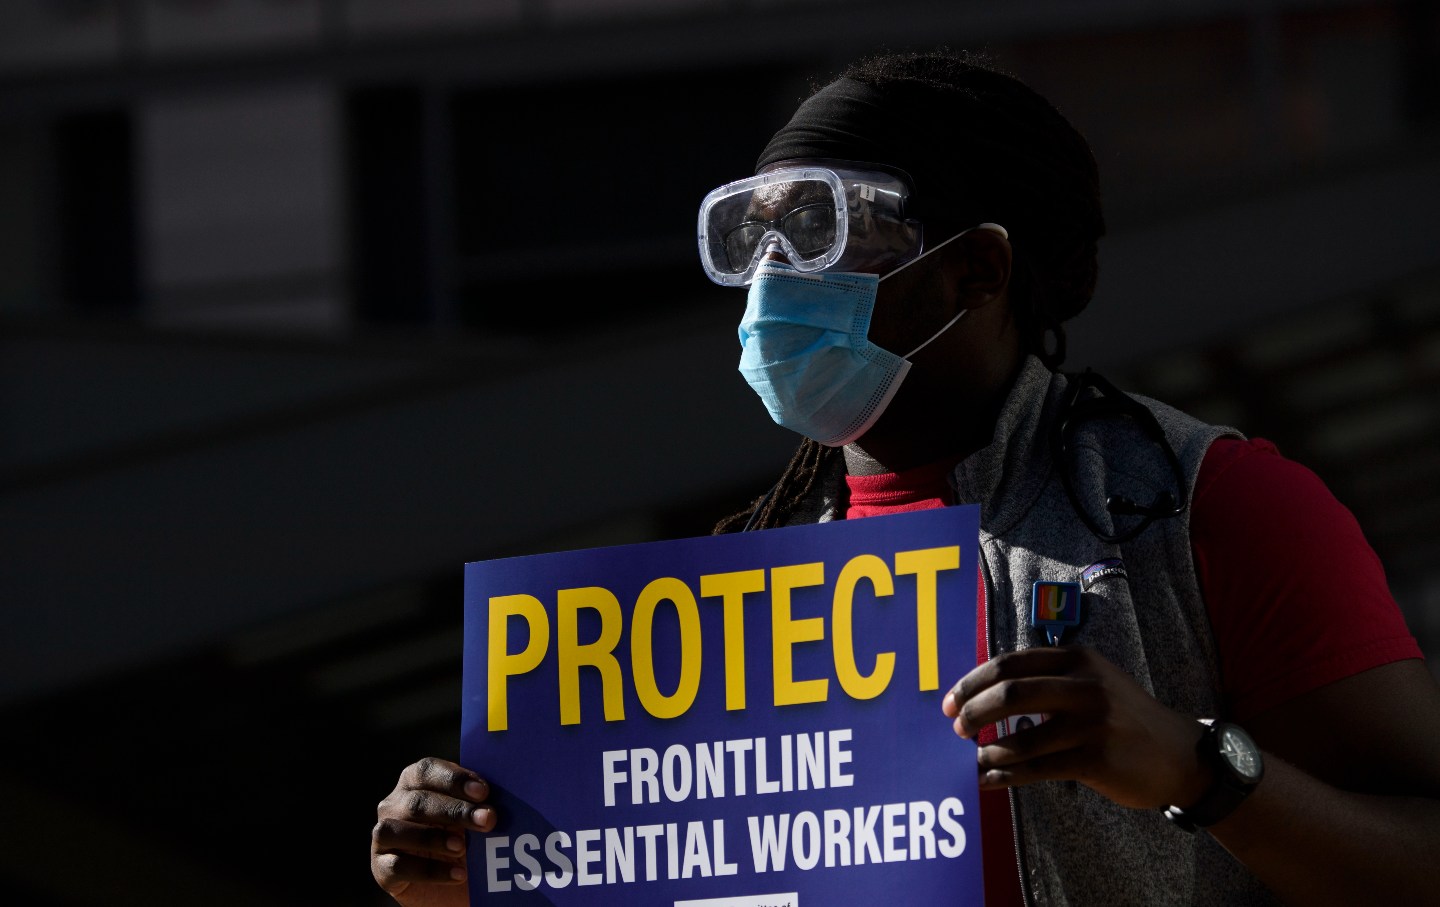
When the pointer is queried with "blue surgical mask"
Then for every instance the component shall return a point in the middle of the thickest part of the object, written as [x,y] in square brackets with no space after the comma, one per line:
[805,349]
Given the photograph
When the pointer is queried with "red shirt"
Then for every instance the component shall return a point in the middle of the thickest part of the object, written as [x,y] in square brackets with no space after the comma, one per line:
[1266,535]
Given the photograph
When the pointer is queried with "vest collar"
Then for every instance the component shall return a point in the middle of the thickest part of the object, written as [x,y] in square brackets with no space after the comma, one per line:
[1006,476]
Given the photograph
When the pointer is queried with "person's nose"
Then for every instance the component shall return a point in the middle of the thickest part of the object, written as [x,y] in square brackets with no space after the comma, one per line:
[773,252]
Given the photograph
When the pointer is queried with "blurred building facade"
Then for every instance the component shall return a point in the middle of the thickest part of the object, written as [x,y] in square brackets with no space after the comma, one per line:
[305,303]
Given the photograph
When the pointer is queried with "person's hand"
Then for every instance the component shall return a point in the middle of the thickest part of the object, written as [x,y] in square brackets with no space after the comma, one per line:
[417,848]
[1104,730]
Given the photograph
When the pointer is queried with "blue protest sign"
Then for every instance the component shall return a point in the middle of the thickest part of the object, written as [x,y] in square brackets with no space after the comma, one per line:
[732,721]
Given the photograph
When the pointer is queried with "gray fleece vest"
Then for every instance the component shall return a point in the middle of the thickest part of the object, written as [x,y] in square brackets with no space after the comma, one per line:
[1077,847]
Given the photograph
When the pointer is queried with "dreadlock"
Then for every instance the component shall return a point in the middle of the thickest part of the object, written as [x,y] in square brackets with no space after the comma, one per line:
[796,482]
[979,145]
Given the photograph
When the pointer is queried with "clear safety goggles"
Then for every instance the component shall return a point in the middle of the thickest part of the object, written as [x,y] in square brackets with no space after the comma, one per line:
[819,214]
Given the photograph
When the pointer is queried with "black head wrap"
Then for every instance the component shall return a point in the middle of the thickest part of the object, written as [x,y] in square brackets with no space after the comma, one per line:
[979,146]
[855,121]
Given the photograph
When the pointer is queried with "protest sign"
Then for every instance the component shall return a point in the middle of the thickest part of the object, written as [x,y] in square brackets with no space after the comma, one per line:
[747,720]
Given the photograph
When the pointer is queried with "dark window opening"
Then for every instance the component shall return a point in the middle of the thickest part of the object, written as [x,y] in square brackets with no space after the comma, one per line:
[95,204]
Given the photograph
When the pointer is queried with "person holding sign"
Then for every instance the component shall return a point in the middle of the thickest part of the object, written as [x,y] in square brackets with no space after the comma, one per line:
[1226,704]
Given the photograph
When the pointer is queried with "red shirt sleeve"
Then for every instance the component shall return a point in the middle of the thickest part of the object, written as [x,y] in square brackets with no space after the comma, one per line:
[1296,596]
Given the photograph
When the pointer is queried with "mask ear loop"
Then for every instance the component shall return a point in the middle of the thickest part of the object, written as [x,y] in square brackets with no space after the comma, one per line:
[993,228]
[936,335]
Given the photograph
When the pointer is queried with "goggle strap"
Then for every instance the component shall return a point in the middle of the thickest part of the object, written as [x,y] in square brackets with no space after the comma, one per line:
[993,228]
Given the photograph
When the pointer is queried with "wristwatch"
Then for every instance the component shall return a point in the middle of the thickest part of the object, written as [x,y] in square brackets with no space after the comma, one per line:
[1238,767]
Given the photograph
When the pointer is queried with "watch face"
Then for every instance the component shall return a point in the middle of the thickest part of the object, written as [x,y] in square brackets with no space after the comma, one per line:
[1241,752]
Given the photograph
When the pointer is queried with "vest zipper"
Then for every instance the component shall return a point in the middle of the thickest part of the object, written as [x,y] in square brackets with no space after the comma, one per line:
[1019,856]
[1010,794]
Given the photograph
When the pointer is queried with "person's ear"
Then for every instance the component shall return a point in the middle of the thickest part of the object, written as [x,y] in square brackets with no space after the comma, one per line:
[979,267]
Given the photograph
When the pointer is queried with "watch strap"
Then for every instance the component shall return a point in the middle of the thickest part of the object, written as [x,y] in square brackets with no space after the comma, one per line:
[1225,793]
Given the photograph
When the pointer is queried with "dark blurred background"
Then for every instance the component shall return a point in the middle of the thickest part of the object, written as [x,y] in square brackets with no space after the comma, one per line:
[306,303]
